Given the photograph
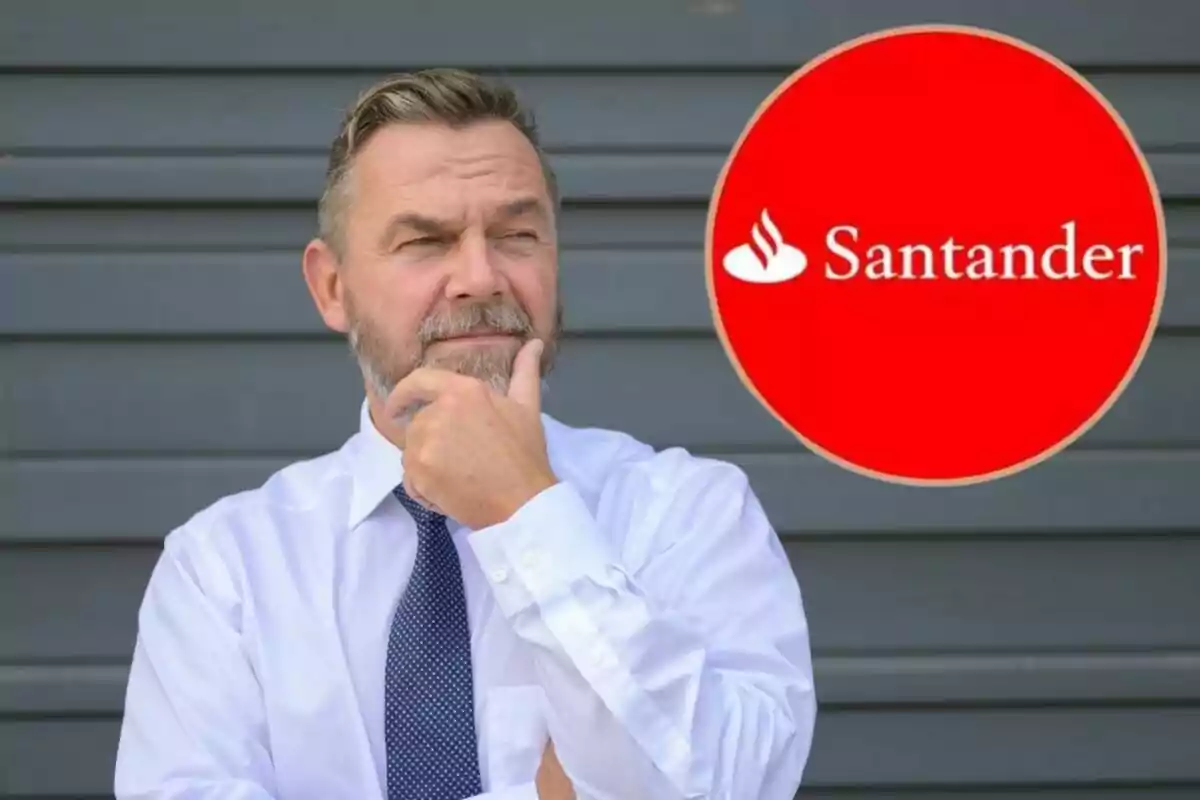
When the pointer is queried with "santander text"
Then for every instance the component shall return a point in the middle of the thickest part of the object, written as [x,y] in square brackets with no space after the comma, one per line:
[955,261]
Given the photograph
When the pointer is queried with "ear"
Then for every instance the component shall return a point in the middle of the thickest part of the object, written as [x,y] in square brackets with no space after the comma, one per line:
[323,275]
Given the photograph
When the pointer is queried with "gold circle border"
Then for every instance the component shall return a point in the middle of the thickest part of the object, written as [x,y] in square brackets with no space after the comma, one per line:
[1066,441]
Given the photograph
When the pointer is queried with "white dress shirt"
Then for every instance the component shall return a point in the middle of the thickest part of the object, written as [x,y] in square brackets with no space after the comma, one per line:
[640,613]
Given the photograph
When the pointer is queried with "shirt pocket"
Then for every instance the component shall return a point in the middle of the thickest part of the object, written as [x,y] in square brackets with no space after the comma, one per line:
[516,732]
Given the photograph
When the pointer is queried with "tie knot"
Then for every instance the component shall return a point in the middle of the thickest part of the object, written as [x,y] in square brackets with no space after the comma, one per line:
[420,513]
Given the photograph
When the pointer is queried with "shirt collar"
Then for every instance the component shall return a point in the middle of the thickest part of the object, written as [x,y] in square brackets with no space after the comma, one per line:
[376,467]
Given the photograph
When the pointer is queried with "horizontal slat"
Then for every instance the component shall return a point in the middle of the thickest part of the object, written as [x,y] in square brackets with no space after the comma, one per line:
[894,748]
[126,229]
[274,178]
[1181,304]
[1073,493]
[248,228]
[264,293]
[1081,492]
[31,762]
[1007,679]
[842,682]
[249,293]
[209,396]
[292,178]
[263,112]
[885,596]
[1003,747]
[993,595]
[1183,223]
[37,689]
[88,595]
[540,33]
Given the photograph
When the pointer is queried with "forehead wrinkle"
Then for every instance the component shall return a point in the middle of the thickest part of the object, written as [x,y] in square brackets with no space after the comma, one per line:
[491,169]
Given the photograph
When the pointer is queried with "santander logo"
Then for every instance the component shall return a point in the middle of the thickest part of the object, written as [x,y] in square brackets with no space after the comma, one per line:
[849,257]
[937,256]
[779,261]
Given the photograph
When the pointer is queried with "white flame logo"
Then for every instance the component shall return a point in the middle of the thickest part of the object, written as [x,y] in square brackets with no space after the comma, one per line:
[783,262]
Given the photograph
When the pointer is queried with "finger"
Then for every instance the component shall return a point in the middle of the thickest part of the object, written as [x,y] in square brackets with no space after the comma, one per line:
[422,385]
[525,386]
[411,491]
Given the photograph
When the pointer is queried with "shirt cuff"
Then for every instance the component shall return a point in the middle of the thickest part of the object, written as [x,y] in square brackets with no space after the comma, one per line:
[549,545]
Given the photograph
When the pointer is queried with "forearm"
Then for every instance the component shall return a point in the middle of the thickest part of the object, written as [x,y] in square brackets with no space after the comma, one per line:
[640,702]
[700,733]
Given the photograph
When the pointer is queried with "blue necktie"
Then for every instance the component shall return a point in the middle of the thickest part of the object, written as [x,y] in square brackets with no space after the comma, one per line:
[429,718]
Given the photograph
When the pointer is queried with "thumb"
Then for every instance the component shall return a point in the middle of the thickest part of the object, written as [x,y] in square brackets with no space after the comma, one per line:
[525,386]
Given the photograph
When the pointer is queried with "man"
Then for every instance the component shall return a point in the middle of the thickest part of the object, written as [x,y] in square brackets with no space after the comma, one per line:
[469,598]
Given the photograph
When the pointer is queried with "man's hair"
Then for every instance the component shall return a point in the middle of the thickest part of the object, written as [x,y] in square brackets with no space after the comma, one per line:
[448,96]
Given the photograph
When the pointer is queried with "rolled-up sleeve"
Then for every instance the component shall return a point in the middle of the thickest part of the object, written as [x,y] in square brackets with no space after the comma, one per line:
[674,652]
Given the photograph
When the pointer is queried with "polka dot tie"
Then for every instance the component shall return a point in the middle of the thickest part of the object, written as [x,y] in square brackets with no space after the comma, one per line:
[430,716]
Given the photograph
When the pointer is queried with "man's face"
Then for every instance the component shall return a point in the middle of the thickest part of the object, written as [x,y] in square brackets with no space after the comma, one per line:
[450,253]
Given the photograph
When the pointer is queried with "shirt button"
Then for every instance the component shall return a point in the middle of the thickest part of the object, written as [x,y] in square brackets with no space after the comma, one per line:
[499,575]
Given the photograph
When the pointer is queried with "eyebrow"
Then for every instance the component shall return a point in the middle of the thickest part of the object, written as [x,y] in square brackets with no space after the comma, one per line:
[418,222]
[520,207]
[430,226]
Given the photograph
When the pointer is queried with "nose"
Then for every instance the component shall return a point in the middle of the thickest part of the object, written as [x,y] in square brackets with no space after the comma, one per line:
[473,273]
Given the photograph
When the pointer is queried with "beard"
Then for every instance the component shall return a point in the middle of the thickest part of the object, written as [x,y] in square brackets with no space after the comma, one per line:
[384,365]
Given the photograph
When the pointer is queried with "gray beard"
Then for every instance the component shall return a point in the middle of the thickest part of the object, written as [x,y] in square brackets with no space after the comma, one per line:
[492,366]
[382,369]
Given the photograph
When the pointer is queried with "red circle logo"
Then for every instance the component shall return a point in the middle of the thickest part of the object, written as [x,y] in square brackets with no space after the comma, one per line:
[936,254]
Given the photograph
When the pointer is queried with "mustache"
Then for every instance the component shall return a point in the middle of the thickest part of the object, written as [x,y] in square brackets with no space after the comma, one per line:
[496,317]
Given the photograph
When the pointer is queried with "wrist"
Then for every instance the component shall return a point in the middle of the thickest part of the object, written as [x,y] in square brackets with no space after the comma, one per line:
[528,490]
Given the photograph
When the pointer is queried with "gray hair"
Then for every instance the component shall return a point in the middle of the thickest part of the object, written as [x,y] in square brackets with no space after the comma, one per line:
[449,96]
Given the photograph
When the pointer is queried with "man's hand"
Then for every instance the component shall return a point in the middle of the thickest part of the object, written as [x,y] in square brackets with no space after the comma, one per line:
[552,783]
[470,453]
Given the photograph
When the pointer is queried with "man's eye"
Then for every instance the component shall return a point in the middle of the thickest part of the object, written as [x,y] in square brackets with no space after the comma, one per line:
[423,241]
[527,236]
